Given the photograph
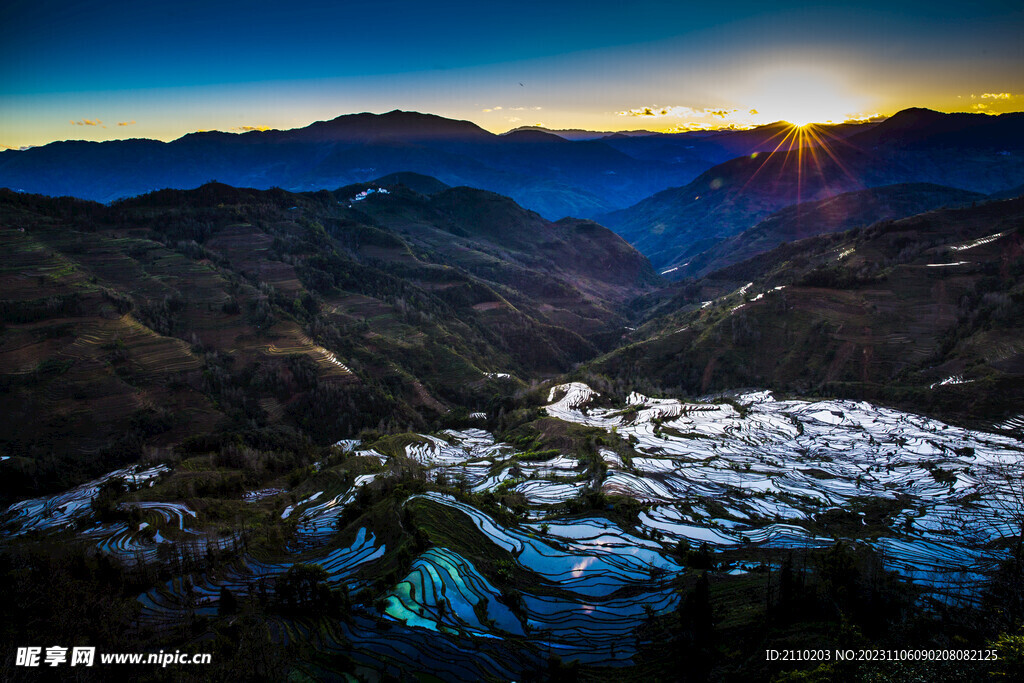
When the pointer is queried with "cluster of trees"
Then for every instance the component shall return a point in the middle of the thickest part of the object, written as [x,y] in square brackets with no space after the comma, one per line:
[838,597]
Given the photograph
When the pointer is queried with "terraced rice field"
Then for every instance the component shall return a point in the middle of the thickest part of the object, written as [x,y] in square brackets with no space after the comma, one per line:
[775,468]
[64,510]
[749,474]
[293,341]
[129,543]
[170,603]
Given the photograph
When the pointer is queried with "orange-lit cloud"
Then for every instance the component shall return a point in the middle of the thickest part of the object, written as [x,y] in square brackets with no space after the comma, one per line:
[797,107]
[87,122]
[866,118]
[996,96]
[649,111]
[126,123]
[677,111]
[662,111]
[246,129]
[711,118]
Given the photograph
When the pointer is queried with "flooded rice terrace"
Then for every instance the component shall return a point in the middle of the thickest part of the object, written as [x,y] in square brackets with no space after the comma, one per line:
[744,476]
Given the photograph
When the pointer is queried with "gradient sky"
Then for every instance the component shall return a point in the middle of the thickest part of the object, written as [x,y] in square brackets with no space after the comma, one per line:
[74,70]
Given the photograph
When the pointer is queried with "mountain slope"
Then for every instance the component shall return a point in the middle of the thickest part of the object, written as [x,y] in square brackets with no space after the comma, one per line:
[835,214]
[924,312]
[279,318]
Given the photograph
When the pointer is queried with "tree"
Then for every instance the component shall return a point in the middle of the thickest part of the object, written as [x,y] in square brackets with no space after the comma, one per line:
[304,588]
[227,604]
[991,521]
[693,642]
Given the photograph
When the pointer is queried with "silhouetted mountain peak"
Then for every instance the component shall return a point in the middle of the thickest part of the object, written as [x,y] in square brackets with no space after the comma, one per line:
[533,136]
[915,126]
[404,125]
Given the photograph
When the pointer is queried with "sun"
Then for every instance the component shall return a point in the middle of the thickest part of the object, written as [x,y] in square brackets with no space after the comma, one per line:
[801,121]
[801,96]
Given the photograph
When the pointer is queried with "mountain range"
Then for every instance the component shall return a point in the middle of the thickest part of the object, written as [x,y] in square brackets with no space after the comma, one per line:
[541,171]
[972,152]
[672,196]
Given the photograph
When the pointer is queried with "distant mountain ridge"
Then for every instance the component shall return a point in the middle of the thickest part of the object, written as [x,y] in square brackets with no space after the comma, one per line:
[541,171]
[918,126]
[580,133]
[591,175]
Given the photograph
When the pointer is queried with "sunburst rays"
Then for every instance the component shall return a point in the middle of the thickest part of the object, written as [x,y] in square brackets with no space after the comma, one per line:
[812,149]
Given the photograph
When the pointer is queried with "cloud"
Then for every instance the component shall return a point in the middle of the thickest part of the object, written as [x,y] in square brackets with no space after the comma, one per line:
[656,111]
[675,111]
[246,129]
[513,119]
[753,112]
[126,123]
[659,111]
[979,106]
[865,118]
[996,96]
[87,122]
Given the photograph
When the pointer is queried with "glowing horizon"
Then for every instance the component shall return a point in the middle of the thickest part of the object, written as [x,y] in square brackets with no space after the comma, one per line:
[794,123]
[123,70]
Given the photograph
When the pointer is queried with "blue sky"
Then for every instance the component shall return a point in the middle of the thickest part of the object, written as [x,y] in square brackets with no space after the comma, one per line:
[76,71]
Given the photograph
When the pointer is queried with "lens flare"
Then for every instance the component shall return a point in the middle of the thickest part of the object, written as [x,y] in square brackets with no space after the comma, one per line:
[811,149]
